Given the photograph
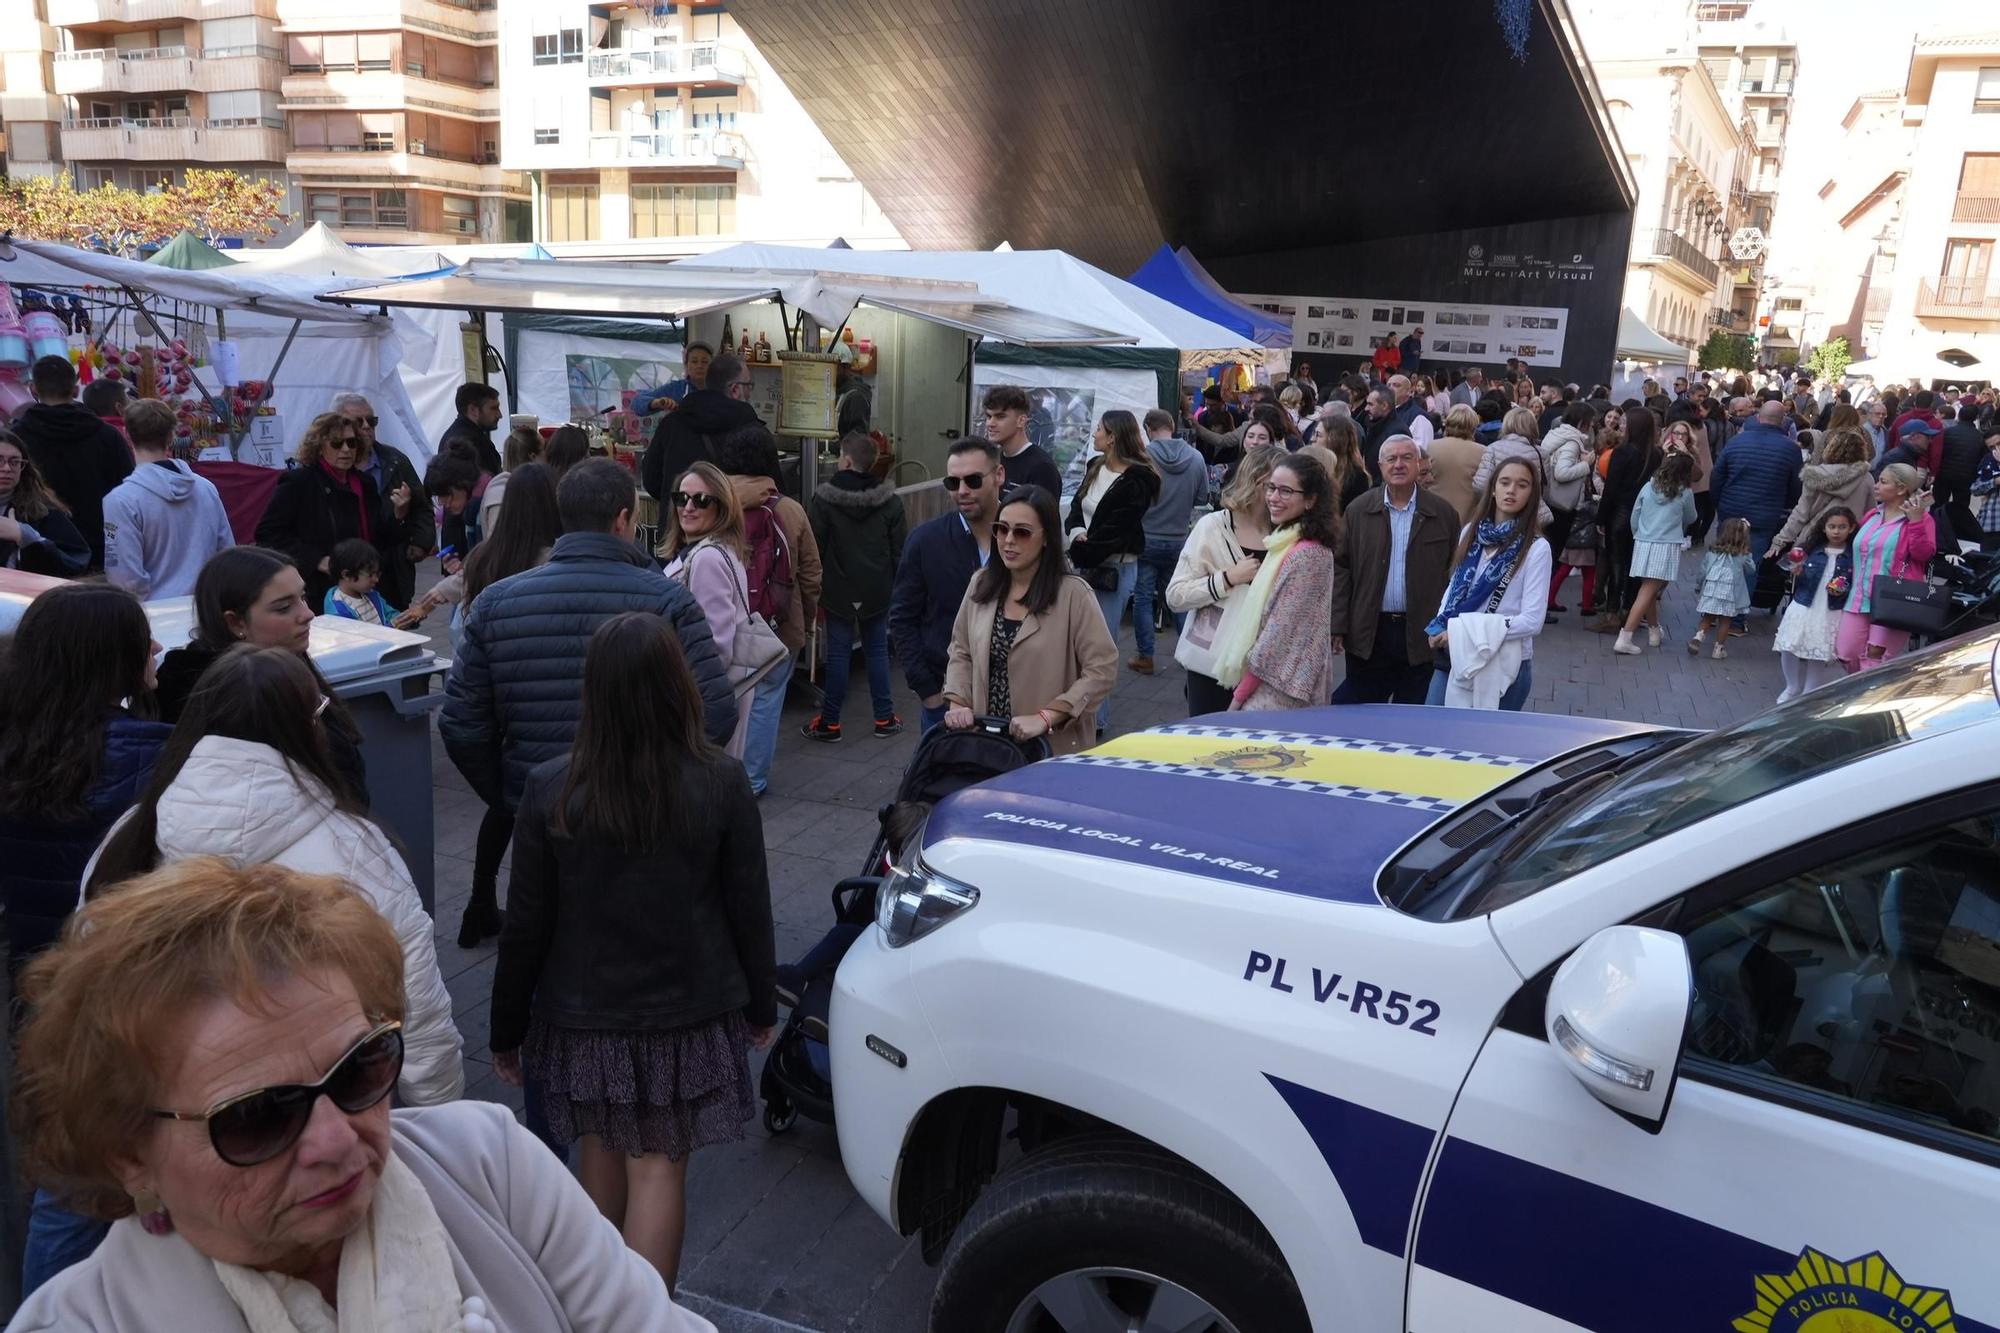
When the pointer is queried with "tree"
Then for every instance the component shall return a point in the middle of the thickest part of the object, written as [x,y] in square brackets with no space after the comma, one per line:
[1725,351]
[1829,360]
[124,222]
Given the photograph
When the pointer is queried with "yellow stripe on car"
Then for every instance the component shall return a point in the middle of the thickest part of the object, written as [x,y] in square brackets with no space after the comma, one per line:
[1333,760]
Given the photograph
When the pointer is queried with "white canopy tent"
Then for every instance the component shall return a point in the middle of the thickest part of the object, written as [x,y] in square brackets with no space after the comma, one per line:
[1638,342]
[306,349]
[1895,369]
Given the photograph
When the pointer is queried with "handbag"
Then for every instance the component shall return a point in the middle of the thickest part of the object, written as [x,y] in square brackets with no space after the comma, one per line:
[756,650]
[1909,604]
[1101,578]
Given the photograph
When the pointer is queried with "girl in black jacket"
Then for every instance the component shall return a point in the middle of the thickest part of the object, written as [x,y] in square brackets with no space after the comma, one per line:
[1107,519]
[638,961]
[325,500]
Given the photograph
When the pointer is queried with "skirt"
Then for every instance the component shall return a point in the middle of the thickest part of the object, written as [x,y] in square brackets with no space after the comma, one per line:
[1656,560]
[667,1091]
[1808,633]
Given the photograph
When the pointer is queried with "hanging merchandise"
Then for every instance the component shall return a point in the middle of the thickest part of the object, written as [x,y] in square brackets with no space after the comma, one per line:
[13,336]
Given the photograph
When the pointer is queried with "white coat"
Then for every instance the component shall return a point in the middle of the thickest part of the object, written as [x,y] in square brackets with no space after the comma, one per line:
[239,800]
[1484,661]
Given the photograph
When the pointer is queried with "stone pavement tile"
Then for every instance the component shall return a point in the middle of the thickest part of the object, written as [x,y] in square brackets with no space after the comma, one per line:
[902,1302]
[751,1262]
[840,1272]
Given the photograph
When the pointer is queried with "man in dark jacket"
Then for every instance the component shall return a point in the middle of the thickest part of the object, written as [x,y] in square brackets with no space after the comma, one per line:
[389,467]
[1961,449]
[1412,349]
[689,434]
[511,700]
[1758,476]
[1390,571]
[857,520]
[1382,417]
[939,560]
[80,456]
[478,413]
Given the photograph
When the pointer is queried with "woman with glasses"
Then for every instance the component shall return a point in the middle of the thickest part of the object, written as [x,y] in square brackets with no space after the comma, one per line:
[1030,643]
[326,499]
[208,1067]
[703,549]
[638,963]
[1279,651]
[36,533]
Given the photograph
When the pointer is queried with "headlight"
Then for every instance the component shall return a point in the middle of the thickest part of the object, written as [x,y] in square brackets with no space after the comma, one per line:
[914,901]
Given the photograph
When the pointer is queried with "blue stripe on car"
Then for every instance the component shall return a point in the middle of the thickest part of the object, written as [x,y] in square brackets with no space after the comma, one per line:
[1378,1159]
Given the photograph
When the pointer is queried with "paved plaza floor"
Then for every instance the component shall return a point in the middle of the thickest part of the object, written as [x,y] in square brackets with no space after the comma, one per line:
[777,1239]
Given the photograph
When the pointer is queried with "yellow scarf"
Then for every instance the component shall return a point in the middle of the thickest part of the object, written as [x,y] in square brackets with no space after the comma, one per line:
[1239,633]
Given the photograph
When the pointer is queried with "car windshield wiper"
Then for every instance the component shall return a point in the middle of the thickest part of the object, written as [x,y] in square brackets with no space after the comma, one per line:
[1417,893]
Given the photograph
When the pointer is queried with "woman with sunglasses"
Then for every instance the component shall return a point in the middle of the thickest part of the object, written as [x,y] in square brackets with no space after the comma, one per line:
[36,532]
[1279,651]
[638,964]
[1029,643]
[326,499]
[208,1066]
[703,550]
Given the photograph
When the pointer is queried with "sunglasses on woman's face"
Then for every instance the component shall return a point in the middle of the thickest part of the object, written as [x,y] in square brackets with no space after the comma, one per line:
[256,1126]
[682,500]
[1020,532]
[972,481]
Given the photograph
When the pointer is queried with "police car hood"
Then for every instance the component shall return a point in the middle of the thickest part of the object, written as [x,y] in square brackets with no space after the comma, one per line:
[1309,802]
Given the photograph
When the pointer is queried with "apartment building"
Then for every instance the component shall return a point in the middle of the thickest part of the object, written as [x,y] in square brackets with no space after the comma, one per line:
[381,116]
[657,129]
[1754,63]
[1854,238]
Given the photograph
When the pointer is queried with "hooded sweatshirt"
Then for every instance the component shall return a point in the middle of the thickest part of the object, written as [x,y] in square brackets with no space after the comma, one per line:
[688,435]
[161,524]
[1183,485]
[241,800]
[81,458]
[858,523]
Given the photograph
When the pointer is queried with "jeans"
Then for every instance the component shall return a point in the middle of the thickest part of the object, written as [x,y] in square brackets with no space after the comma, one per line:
[766,705]
[1113,605]
[840,655]
[1206,695]
[930,718]
[1511,700]
[57,1239]
[1156,570]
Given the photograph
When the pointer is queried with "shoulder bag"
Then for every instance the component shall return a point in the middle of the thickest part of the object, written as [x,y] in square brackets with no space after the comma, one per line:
[1909,604]
[756,650]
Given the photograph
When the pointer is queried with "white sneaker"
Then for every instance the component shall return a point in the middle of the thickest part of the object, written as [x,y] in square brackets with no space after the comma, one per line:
[1625,644]
[1787,694]
[1653,636]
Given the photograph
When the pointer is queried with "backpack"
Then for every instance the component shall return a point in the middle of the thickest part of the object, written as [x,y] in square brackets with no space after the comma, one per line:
[768,562]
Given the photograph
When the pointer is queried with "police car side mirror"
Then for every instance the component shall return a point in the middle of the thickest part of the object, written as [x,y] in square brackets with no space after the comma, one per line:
[1617,1013]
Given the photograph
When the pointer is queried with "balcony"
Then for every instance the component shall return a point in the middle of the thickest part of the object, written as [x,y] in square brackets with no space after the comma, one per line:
[415,166]
[174,139]
[697,64]
[1666,245]
[385,90]
[152,13]
[1958,298]
[723,151]
[1976,208]
[471,21]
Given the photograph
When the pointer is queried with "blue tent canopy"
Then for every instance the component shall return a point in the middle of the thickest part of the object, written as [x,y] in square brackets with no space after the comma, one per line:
[1175,275]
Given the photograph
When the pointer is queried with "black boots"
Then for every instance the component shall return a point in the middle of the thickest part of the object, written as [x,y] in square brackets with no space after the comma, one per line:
[482,918]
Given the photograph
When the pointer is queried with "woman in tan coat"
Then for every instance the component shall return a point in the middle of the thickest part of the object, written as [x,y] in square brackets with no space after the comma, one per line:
[1454,457]
[1030,643]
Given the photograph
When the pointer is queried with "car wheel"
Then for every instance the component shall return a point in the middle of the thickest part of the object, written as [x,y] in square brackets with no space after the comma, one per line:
[1102,1233]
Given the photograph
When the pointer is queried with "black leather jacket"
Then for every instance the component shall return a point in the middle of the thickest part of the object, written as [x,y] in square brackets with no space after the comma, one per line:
[597,938]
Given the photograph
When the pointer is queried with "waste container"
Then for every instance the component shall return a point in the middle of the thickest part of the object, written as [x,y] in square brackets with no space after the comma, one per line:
[383,676]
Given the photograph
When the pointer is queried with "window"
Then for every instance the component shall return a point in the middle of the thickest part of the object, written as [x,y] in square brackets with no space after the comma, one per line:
[546,137]
[572,212]
[1874,979]
[91,178]
[683,210]
[378,141]
[570,46]
[1986,93]
[392,208]
[323,206]
[146,180]
[546,49]
[461,215]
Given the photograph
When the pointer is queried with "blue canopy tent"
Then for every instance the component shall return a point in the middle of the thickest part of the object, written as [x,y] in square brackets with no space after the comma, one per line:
[1177,276]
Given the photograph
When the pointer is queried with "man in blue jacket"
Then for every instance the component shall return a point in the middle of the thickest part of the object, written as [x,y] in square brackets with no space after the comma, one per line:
[939,559]
[513,696]
[1758,477]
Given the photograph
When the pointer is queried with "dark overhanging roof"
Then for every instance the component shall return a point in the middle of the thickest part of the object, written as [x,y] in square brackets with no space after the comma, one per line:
[1106,127]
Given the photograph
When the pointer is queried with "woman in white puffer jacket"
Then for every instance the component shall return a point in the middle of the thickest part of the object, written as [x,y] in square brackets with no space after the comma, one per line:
[245,777]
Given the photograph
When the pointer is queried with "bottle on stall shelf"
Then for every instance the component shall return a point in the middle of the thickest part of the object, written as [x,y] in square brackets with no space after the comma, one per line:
[728,336]
[743,348]
[763,350]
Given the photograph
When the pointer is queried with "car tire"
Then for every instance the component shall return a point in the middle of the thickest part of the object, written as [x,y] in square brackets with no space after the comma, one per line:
[1107,1204]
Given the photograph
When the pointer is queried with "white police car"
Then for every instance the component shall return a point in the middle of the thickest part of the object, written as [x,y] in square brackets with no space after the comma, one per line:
[1392,1018]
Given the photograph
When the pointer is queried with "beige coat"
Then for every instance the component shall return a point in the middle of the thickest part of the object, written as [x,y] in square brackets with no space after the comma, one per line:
[806,574]
[1063,660]
[1453,462]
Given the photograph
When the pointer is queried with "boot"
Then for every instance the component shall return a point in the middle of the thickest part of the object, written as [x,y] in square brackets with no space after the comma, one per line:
[1625,644]
[1142,664]
[1608,623]
[482,917]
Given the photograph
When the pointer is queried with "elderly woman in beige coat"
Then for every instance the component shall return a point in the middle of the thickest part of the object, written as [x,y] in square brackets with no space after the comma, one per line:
[1030,643]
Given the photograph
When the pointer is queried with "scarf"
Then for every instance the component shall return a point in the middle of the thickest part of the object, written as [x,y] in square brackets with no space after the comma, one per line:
[1239,635]
[1471,586]
[395,1273]
[351,479]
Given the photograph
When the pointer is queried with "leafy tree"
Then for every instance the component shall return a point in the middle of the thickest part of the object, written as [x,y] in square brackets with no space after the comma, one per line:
[1725,351]
[1829,360]
[118,221]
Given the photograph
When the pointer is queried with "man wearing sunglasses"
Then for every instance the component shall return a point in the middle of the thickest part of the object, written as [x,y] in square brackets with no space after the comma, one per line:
[939,559]
[389,467]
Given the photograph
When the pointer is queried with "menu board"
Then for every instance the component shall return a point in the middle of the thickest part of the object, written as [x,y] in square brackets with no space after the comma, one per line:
[807,399]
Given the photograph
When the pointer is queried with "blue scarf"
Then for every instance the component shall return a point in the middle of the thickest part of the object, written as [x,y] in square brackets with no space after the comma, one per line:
[1472,587]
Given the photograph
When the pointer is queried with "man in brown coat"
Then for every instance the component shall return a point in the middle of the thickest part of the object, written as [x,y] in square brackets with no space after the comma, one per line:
[1390,572]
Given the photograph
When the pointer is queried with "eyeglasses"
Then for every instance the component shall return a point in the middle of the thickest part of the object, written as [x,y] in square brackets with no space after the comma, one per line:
[971,482]
[1020,532]
[1288,492]
[12,464]
[743,384]
[369,422]
[682,500]
[349,442]
[254,1127]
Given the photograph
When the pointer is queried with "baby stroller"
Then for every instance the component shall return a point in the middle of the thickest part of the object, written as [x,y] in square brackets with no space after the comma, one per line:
[798,1075]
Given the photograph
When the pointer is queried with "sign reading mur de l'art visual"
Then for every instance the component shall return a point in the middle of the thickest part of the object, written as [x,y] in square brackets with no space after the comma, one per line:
[1454,331]
[1482,261]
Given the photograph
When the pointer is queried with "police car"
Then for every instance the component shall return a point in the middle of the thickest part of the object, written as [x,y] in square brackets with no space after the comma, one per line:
[1414,1019]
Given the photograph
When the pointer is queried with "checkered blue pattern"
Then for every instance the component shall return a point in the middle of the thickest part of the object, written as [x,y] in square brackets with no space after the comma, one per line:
[1402,800]
[1346,743]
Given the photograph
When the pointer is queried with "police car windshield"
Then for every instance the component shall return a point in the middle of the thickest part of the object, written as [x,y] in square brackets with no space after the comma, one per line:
[1935,692]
